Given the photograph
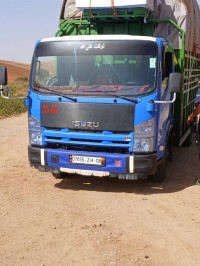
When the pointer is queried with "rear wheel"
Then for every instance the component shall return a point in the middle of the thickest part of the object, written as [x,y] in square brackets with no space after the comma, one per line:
[193,127]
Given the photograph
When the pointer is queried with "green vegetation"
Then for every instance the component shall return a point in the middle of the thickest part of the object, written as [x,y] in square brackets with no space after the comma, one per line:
[13,107]
[21,79]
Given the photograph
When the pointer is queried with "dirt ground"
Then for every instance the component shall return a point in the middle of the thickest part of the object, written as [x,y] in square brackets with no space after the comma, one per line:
[95,221]
[15,70]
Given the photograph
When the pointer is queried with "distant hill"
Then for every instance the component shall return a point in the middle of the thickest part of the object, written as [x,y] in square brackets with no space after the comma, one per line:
[16,70]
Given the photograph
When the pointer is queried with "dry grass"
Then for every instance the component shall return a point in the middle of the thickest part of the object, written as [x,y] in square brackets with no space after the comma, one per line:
[14,107]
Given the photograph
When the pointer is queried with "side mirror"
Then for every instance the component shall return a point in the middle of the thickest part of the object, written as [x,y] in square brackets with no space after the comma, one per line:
[3,81]
[174,85]
[3,75]
[174,82]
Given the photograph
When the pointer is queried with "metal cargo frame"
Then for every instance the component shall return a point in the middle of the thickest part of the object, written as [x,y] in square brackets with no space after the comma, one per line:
[185,101]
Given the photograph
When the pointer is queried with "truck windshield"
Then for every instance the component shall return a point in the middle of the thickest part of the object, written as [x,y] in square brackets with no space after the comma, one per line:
[95,68]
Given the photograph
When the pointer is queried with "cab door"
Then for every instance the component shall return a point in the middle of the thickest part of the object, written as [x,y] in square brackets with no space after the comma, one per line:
[166,109]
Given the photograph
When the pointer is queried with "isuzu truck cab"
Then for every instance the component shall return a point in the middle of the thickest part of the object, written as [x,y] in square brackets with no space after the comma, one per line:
[102,104]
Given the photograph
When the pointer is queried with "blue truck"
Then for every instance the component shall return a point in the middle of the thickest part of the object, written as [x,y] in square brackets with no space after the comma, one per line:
[105,95]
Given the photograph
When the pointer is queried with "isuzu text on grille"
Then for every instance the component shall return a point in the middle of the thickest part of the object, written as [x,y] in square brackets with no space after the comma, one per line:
[85,124]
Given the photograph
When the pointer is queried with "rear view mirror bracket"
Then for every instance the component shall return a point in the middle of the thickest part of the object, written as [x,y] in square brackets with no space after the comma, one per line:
[12,97]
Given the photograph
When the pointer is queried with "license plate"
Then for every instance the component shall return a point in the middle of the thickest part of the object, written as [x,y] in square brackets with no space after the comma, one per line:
[76,159]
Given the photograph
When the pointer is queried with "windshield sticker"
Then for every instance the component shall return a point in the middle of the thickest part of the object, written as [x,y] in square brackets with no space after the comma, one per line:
[152,62]
[89,46]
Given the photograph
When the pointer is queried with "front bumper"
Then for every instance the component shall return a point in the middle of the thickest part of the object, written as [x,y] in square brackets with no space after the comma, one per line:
[51,160]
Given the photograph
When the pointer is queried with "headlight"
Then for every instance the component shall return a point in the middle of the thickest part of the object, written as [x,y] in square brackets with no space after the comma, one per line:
[35,136]
[144,136]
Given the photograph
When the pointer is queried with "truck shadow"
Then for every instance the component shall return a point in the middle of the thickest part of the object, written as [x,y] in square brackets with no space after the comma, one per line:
[105,184]
[181,173]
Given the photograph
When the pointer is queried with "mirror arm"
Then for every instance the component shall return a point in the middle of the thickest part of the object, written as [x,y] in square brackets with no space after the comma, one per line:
[11,98]
[172,101]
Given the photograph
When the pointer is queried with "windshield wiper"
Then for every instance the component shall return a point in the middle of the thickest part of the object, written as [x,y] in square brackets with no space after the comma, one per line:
[114,95]
[57,93]
[122,97]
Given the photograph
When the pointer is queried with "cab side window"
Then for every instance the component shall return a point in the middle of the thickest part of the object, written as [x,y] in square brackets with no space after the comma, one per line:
[166,70]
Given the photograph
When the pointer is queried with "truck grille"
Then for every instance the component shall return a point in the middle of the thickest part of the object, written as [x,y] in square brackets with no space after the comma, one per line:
[102,139]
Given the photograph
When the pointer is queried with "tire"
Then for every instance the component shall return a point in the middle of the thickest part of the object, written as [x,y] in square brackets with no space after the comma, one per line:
[194,128]
[188,141]
[61,175]
[160,175]
[170,142]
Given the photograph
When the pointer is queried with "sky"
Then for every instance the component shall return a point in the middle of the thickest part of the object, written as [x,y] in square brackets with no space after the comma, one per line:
[23,23]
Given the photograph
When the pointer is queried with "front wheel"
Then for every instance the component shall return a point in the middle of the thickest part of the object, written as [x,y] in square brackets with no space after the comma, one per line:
[61,175]
[160,175]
